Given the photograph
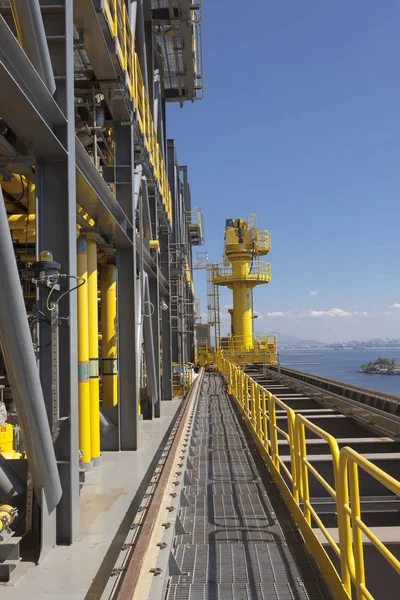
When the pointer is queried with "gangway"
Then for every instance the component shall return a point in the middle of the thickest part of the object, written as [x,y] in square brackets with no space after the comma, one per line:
[270,493]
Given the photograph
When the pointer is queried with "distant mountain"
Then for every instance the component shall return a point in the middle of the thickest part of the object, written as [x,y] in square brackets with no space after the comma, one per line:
[286,339]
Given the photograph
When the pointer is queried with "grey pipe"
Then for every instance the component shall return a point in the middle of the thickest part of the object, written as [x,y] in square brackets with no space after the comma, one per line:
[139,329]
[148,343]
[157,99]
[23,375]
[137,184]
[146,210]
[32,37]
[11,485]
[141,46]
[132,11]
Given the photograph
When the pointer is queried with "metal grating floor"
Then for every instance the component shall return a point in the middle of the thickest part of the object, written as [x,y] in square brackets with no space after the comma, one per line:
[240,542]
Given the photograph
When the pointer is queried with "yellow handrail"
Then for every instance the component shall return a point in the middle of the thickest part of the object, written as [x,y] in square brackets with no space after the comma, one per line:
[118,21]
[260,416]
[354,527]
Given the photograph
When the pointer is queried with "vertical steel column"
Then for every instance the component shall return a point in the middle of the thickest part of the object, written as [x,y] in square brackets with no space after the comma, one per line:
[128,402]
[155,318]
[166,387]
[93,351]
[83,356]
[109,344]
[56,220]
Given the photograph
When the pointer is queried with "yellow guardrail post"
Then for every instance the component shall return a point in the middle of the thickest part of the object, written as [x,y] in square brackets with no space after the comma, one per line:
[273,434]
[253,403]
[304,467]
[349,462]
[265,420]
[258,410]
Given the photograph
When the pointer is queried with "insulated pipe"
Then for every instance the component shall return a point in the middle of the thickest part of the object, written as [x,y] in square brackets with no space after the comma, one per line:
[19,357]
[93,351]
[83,356]
[32,37]
[148,341]
[109,370]
[141,46]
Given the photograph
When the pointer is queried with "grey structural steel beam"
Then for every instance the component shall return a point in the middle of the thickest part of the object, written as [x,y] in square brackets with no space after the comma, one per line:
[32,113]
[128,392]
[166,386]
[56,231]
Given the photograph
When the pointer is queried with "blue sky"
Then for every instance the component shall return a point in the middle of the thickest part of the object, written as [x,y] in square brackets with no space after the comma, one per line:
[300,124]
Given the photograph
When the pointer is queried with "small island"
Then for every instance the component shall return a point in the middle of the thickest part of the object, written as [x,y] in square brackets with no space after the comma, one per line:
[381,366]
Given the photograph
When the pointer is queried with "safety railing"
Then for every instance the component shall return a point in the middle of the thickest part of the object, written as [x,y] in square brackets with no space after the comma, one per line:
[257,272]
[263,347]
[182,378]
[262,241]
[354,527]
[194,220]
[118,22]
[292,472]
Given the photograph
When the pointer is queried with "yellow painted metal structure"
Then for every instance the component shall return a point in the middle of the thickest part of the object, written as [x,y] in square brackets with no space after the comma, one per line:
[109,377]
[244,245]
[259,410]
[6,438]
[93,348]
[83,354]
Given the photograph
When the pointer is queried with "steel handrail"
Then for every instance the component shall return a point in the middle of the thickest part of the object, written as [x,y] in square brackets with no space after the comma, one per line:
[349,463]
[345,490]
[118,22]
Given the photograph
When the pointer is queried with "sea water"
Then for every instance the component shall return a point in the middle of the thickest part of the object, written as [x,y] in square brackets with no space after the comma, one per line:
[343,365]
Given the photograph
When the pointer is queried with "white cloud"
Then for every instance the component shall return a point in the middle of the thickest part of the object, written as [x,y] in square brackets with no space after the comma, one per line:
[316,314]
[313,293]
[395,305]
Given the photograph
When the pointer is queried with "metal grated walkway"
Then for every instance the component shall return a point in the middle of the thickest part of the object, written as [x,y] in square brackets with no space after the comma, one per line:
[241,544]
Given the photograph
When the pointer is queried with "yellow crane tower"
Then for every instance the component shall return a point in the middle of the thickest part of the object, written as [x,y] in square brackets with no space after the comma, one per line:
[244,245]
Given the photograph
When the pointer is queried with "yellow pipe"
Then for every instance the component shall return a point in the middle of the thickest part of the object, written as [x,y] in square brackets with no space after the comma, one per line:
[93,350]
[108,287]
[83,355]
[21,221]
[7,516]
[154,245]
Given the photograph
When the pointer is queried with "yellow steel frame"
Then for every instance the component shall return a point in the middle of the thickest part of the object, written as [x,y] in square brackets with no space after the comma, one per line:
[258,407]
[118,22]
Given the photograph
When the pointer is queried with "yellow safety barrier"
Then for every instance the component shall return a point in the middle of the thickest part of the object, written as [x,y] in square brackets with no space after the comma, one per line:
[118,22]
[353,526]
[259,409]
